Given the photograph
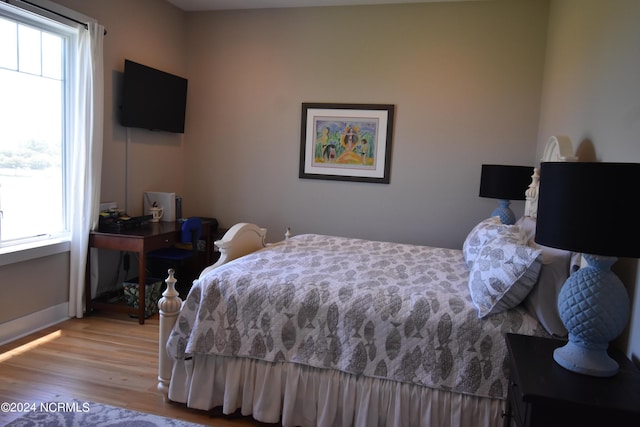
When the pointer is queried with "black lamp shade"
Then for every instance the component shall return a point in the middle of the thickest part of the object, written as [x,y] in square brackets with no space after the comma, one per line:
[505,182]
[587,208]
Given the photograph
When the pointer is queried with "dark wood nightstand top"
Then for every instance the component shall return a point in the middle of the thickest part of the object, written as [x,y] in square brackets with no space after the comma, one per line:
[541,380]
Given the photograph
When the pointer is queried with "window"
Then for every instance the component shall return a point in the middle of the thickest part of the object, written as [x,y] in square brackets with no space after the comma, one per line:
[36,72]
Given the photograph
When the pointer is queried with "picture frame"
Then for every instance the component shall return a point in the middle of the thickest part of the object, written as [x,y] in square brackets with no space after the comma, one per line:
[346,142]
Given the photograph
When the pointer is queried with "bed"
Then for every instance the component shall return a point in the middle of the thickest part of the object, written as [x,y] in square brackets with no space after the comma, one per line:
[334,331]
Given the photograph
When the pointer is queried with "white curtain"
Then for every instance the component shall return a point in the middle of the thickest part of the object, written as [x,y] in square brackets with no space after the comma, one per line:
[86,163]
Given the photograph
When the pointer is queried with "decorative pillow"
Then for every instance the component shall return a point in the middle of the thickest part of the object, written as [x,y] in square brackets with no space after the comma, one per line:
[542,301]
[486,230]
[503,274]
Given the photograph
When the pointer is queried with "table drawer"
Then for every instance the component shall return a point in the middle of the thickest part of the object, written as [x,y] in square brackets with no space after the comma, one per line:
[160,241]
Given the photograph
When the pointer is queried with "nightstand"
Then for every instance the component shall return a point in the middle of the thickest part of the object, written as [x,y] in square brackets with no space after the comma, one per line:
[542,393]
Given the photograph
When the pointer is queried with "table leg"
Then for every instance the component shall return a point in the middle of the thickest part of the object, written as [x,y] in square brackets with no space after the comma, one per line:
[87,284]
[142,280]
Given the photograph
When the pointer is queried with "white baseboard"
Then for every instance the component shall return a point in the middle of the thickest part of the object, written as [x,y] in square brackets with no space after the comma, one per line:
[18,328]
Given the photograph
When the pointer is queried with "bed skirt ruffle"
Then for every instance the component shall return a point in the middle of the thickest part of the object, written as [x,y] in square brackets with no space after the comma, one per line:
[298,395]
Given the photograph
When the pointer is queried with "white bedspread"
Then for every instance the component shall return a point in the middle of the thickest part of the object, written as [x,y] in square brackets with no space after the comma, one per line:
[377,309]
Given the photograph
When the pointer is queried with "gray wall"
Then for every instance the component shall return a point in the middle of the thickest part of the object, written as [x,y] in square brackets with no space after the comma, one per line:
[465,78]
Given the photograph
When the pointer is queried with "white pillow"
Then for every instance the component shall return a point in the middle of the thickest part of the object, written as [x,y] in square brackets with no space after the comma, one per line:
[486,230]
[504,272]
[542,301]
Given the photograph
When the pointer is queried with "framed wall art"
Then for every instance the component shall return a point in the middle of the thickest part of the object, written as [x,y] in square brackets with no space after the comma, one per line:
[346,142]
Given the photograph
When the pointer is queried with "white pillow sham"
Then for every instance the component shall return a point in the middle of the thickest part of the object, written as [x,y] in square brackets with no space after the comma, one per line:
[503,269]
[486,230]
[502,275]
[557,264]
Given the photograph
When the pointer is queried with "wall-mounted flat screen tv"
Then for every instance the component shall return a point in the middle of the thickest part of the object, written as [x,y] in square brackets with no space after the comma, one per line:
[153,99]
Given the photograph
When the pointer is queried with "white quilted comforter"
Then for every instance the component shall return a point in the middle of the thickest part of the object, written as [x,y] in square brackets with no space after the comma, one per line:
[384,310]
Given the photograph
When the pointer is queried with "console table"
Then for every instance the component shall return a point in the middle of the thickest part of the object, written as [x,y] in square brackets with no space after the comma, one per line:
[148,237]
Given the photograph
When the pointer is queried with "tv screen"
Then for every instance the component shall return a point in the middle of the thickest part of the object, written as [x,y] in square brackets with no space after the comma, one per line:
[153,99]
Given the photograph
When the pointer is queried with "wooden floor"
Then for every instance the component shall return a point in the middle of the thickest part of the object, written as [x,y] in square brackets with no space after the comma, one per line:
[102,358]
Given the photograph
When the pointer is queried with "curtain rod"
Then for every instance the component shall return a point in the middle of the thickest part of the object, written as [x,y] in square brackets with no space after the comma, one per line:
[84,24]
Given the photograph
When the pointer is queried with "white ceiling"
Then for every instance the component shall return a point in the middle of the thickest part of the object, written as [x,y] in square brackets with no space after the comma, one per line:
[194,5]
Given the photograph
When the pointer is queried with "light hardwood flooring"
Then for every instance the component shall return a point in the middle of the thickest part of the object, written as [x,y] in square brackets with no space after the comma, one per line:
[104,358]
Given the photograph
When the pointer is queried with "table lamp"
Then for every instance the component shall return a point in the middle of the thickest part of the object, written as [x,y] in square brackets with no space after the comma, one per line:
[581,208]
[505,182]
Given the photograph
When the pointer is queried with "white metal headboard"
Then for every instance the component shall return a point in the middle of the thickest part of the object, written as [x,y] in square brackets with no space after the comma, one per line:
[558,149]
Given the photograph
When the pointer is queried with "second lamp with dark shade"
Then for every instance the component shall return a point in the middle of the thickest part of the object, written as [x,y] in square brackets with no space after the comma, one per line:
[506,183]
[582,208]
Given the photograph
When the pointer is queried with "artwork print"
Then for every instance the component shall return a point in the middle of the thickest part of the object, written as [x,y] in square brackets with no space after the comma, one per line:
[349,142]
[342,143]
